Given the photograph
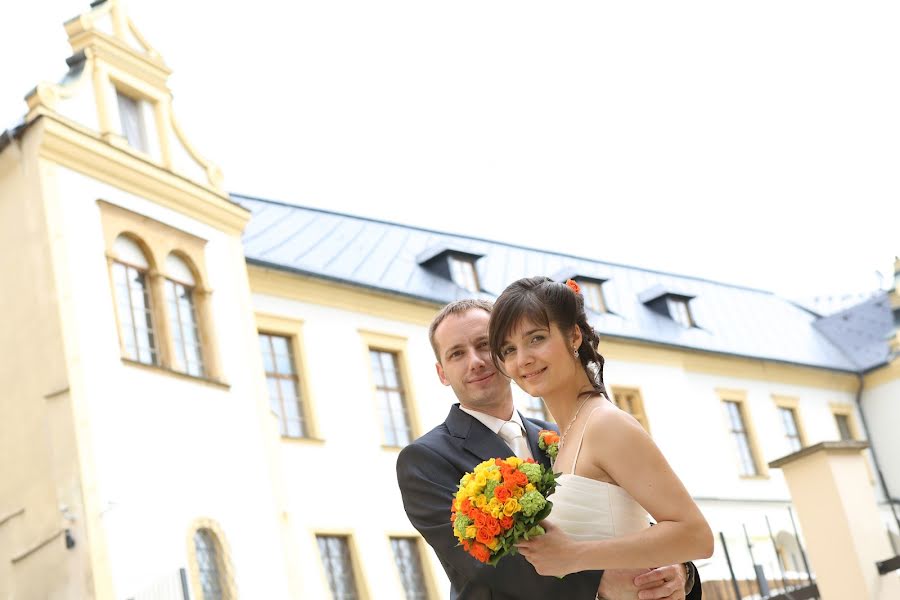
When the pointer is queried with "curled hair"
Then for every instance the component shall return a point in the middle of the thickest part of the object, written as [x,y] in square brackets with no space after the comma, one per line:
[544,301]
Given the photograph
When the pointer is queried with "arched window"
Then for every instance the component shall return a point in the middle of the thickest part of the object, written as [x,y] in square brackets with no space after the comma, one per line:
[130,268]
[209,563]
[182,312]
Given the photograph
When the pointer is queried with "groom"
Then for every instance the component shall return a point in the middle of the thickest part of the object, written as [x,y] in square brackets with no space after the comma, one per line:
[429,470]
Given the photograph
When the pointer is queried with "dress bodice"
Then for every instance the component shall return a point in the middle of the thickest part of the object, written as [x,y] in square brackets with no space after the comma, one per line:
[587,509]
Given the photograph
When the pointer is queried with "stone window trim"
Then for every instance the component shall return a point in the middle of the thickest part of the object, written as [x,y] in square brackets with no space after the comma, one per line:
[385,342]
[223,554]
[631,401]
[157,240]
[431,589]
[739,397]
[793,404]
[362,589]
[292,329]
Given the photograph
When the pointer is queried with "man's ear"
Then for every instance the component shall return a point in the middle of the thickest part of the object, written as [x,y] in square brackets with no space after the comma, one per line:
[440,372]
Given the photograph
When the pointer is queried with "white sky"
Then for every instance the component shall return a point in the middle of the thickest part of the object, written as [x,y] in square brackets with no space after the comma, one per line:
[756,143]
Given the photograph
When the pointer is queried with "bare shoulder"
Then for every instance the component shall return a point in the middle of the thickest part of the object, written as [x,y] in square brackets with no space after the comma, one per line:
[608,422]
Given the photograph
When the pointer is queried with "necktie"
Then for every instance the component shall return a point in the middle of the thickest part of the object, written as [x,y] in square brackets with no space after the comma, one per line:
[512,435]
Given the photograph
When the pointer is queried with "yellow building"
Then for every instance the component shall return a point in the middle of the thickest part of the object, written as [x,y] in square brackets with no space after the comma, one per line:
[209,392]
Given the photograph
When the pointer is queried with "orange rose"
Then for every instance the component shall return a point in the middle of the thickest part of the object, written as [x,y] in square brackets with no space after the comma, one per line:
[481,552]
[520,478]
[573,285]
[502,493]
[483,535]
[507,522]
[480,519]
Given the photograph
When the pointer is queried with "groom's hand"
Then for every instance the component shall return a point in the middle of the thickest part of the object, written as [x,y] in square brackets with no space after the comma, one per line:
[618,584]
[666,583]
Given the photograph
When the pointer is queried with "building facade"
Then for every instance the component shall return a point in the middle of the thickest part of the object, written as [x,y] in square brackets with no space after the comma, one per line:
[218,385]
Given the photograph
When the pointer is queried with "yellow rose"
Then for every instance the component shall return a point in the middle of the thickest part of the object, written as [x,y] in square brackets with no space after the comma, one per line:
[511,507]
[518,493]
[480,501]
[494,475]
[493,544]
[466,479]
[514,461]
[530,487]
[471,531]
[480,479]
[496,511]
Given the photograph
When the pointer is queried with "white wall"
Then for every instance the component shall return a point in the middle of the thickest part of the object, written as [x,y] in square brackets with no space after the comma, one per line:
[169,450]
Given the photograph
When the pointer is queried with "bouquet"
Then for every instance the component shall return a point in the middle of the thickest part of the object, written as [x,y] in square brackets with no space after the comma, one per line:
[500,503]
[548,441]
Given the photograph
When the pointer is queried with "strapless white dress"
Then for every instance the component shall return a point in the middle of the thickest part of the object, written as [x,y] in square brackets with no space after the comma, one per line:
[587,509]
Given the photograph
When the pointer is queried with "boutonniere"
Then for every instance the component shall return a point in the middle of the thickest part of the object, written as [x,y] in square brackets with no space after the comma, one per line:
[548,441]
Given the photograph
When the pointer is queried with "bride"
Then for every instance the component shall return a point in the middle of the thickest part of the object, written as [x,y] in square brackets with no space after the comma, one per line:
[613,474]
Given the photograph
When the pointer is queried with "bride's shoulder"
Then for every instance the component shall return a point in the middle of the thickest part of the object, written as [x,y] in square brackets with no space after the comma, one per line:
[608,422]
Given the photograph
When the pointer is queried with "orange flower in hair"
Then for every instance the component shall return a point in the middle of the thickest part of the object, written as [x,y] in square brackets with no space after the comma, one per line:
[573,286]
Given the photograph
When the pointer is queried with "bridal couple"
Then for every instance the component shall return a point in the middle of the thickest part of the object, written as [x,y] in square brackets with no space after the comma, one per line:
[598,533]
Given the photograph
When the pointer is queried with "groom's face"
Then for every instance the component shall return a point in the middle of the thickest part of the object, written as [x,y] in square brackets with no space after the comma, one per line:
[465,361]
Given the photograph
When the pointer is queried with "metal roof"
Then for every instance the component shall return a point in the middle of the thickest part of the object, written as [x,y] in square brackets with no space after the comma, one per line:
[862,331]
[730,319]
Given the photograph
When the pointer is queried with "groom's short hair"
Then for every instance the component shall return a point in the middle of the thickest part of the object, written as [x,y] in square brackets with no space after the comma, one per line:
[456,308]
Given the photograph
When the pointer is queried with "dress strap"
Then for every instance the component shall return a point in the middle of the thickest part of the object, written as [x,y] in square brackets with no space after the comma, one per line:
[581,441]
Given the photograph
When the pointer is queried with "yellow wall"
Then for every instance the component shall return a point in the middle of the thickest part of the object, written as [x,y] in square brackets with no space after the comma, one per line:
[38,457]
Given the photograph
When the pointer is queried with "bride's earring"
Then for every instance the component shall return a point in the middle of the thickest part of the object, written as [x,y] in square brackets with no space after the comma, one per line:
[576,353]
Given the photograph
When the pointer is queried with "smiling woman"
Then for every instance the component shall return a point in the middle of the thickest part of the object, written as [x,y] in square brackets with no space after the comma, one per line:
[540,338]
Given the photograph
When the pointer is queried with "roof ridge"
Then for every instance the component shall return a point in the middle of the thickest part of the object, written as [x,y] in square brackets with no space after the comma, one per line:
[500,243]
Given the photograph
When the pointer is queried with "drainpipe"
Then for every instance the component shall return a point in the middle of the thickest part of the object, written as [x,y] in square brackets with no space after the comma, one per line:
[862,416]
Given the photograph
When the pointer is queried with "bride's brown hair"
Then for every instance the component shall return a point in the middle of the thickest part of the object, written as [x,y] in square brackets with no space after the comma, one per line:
[544,301]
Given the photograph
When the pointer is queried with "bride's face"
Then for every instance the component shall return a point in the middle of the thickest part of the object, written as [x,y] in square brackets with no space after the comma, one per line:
[539,358]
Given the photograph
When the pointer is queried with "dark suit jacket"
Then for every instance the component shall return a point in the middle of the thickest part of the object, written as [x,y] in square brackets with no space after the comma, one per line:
[428,472]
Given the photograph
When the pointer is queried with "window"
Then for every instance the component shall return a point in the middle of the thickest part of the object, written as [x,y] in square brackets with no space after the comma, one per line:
[791,430]
[391,397]
[208,564]
[163,307]
[132,121]
[737,422]
[409,563]
[680,311]
[593,295]
[533,407]
[843,425]
[183,317]
[133,301]
[462,272]
[284,384]
[629,400]
[335,553]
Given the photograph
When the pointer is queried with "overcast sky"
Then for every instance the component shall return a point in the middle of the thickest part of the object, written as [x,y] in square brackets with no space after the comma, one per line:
[755,143]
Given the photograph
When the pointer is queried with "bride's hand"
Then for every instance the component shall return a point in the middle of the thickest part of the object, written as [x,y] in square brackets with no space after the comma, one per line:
[551,553]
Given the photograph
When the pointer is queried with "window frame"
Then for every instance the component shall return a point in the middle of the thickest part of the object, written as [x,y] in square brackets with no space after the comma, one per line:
[156,350]
[793,404]
[158,240]
[468,265]
[292,329]
[431,590]
[596,286]
[226,569]
[362,587]
[385,342]
[676,315]
[641,417]
[845,410]
[739,397]
[168,284]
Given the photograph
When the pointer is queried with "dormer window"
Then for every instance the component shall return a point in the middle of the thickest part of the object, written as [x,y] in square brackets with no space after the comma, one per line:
[672,303]
[131,117]
[454,263]
[679,311]
[592,290]
[463,274]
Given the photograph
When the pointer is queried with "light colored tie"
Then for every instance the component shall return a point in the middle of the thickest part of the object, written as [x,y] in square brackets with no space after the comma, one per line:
[512,434]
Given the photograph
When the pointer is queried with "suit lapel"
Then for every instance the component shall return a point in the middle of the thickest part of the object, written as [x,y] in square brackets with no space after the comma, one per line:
[475,437]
